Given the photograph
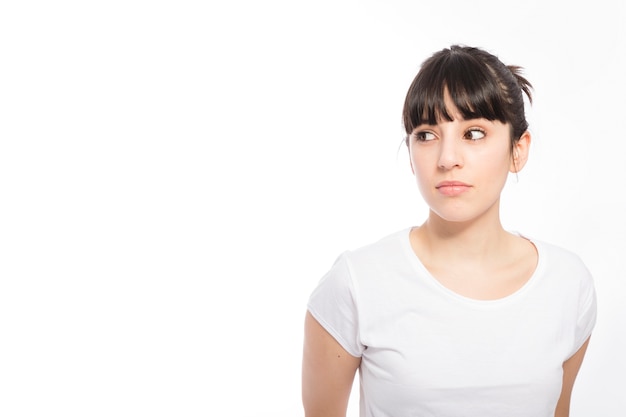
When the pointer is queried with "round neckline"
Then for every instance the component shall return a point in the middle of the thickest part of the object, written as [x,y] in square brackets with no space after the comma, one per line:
[436,284]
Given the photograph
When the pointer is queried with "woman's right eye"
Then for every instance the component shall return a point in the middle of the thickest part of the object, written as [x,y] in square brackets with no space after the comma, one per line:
[424,136]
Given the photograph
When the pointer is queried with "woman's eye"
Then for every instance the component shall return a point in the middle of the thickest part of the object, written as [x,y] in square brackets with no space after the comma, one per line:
[474,134]
[424,136]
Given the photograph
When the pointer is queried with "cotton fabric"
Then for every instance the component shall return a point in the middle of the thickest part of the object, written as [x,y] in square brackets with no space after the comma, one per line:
[428,351]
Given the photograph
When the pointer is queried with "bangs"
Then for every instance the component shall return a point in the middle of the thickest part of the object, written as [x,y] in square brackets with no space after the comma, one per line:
[469,83]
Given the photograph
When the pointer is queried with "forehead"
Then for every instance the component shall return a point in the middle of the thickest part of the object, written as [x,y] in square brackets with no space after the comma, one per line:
[450,107]
[447,101]
[454,114]
[442,109]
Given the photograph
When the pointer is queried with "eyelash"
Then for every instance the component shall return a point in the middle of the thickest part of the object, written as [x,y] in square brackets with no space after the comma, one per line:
[468,135]
[474,129]
[421,136]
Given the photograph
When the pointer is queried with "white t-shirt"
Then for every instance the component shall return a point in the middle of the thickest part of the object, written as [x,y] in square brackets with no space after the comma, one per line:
[428,351]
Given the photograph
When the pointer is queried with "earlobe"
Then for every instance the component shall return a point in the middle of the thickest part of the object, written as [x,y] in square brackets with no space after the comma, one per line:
[520,152]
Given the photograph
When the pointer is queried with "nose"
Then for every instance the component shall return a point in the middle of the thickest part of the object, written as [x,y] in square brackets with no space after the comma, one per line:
[450,155]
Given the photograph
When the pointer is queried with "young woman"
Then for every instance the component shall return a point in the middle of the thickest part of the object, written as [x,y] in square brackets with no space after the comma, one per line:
[456,317]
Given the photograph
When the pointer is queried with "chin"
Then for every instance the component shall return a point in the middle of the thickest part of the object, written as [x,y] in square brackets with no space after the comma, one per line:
[455,219]
[458,215]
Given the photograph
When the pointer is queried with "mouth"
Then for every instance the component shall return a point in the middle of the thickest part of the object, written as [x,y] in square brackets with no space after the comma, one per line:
[452,188]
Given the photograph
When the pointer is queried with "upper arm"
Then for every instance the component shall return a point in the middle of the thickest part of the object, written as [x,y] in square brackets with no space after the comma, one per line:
[328,372]
[570,371]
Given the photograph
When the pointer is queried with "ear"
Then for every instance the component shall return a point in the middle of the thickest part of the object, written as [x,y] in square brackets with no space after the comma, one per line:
[520,153]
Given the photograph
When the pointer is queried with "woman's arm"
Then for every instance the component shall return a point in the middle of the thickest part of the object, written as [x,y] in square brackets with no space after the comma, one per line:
[570,370]
[327,372]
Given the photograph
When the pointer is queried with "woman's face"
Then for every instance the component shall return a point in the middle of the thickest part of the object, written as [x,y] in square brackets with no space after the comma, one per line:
[461,166]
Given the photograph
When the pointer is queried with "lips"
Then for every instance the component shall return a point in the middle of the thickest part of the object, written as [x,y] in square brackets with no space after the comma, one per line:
[452,188]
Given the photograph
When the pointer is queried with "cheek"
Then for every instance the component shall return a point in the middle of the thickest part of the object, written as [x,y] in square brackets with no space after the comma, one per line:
[418,166]
[494,160]
[424,176]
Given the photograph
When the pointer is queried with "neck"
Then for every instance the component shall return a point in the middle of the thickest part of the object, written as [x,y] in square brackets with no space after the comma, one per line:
[476,240]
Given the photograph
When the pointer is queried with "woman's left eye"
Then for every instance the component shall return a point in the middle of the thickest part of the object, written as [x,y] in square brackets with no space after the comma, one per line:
[474,134]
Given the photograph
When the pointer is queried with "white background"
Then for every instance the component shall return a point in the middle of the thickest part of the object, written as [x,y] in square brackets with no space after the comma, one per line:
[175,177]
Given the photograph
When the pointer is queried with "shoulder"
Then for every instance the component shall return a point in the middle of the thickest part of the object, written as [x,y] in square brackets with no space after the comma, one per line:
[385,250]
[562,264]
[564,257]
[371,257]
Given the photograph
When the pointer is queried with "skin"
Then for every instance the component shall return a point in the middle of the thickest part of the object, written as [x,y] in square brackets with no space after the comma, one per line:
[327,372]
[462,243]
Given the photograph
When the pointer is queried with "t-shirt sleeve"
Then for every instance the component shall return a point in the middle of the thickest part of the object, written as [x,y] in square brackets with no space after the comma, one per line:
[587,312]
[333,305]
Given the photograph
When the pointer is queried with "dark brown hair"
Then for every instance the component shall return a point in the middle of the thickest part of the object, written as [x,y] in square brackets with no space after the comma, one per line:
[480,86]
